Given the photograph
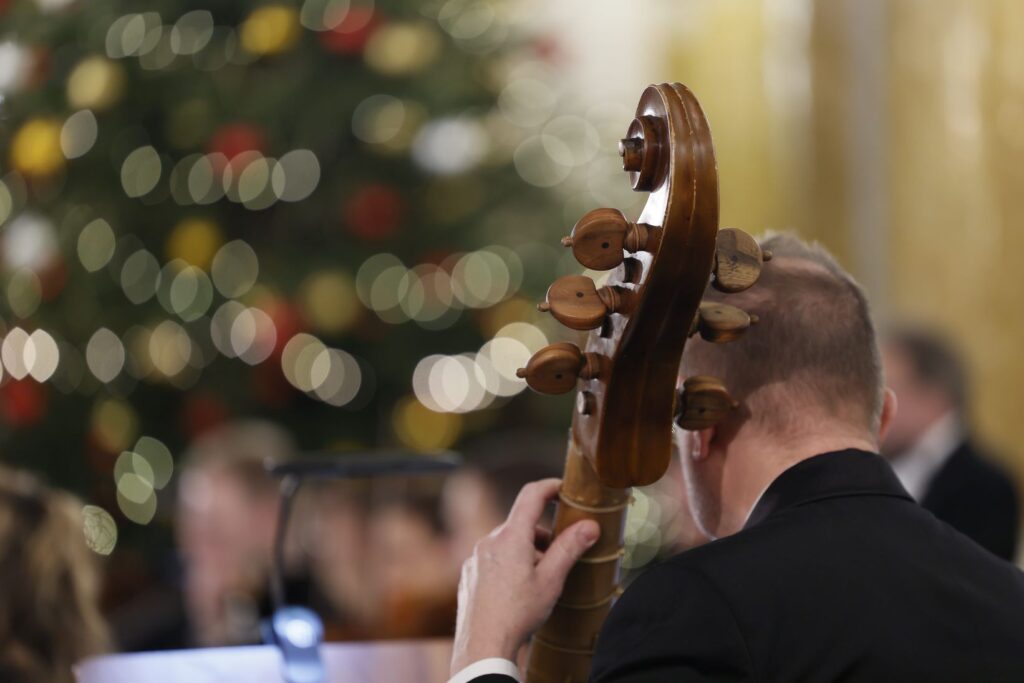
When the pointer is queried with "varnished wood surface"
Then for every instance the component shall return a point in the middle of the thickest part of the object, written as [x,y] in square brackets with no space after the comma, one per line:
[629,440]
[621,434]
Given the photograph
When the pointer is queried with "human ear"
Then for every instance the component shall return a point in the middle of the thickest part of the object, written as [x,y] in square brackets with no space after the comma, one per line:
[889,408]
[700,443]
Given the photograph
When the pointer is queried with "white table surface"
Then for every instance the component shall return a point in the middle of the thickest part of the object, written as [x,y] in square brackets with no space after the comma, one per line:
[409,661]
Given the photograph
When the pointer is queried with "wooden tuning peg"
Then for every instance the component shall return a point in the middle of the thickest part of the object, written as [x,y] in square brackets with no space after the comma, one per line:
[703,402]
[738,260]
[641,152]
[600,237]
[576,302]
[717,322]
[555,368]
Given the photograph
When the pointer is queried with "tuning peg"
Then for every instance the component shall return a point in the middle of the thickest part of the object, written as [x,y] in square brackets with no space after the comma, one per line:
[600,237]
[738,260]
[718,322]
[641,152]
[703,402]
[555,368]
[576,302]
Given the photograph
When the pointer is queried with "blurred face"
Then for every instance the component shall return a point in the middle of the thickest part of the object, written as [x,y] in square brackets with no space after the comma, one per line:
[408,556]
[469,512]
[225,537]
[918,406]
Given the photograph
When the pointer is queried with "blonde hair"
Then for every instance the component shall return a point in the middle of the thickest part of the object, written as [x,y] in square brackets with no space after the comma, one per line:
[49,617]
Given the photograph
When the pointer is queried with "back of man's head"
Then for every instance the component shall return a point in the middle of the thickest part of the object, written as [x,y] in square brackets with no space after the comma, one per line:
[813,353]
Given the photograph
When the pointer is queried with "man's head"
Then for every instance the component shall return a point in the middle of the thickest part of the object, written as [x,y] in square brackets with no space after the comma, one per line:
[929,379]
[807,377]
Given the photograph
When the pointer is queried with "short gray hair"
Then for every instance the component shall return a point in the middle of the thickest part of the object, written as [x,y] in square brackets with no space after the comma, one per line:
[814,345]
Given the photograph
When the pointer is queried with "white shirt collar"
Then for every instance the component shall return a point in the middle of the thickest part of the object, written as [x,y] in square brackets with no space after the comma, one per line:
[916,466]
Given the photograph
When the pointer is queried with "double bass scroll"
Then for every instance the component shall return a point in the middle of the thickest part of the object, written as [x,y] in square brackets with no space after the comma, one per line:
[626,374]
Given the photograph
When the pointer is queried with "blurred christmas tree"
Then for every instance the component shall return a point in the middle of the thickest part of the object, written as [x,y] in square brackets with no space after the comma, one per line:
[218,209]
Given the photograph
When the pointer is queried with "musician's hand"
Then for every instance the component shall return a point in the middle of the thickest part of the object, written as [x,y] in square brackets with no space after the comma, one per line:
[511,582]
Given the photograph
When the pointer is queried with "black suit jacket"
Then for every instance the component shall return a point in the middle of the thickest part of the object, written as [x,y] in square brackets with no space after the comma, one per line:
[837,576]
[976,498]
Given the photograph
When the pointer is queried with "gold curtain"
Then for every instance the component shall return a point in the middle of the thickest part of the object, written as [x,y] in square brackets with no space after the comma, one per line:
[893,132]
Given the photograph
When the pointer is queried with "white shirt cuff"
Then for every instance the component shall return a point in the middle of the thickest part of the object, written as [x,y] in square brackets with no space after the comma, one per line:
[495,665]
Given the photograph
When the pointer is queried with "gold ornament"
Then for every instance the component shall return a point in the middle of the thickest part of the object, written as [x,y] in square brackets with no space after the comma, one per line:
[329,301]
[271,30]
[95,83]
[402,48]
[195,241]
[422,429]
[35,149]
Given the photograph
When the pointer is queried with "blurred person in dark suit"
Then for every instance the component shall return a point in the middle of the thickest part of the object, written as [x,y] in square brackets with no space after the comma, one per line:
[931,449]
[49,611]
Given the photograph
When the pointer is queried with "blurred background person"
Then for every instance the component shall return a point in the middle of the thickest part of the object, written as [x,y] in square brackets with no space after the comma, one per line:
[49,614]
[378,554]
[411,573]
[479,496]
[226,518]
[930,445]
[335,535]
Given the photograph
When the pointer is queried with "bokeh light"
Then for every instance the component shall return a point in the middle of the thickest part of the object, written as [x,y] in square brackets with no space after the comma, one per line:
[105,355]
[140,276]
[95,83]
[191,32]
[42,355]
[323,15]
[141,171]
[253,335]
[99,529]
[235,268]
[114,424]
[295,175]
[170,348]
[24,292]
[450,145]
[29,241]
[157,457]
[12,351]
[96,243]
[78,134]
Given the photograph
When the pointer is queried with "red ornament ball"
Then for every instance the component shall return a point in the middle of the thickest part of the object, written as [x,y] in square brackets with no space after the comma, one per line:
[22,402]
[352,34]
[202,412]
[374,212]
[233,139]
[287,321]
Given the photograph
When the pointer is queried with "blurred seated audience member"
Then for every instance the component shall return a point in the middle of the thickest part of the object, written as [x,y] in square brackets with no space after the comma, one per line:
[478,497]
[49,613]
[411,575]
[226,517]
[931,449]
[335,535]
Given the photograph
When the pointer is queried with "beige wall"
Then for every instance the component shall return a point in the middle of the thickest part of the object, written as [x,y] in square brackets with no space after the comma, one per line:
[890,130]
[894,133]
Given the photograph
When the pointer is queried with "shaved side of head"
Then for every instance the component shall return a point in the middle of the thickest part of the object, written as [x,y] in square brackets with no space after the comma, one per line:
[813,352]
